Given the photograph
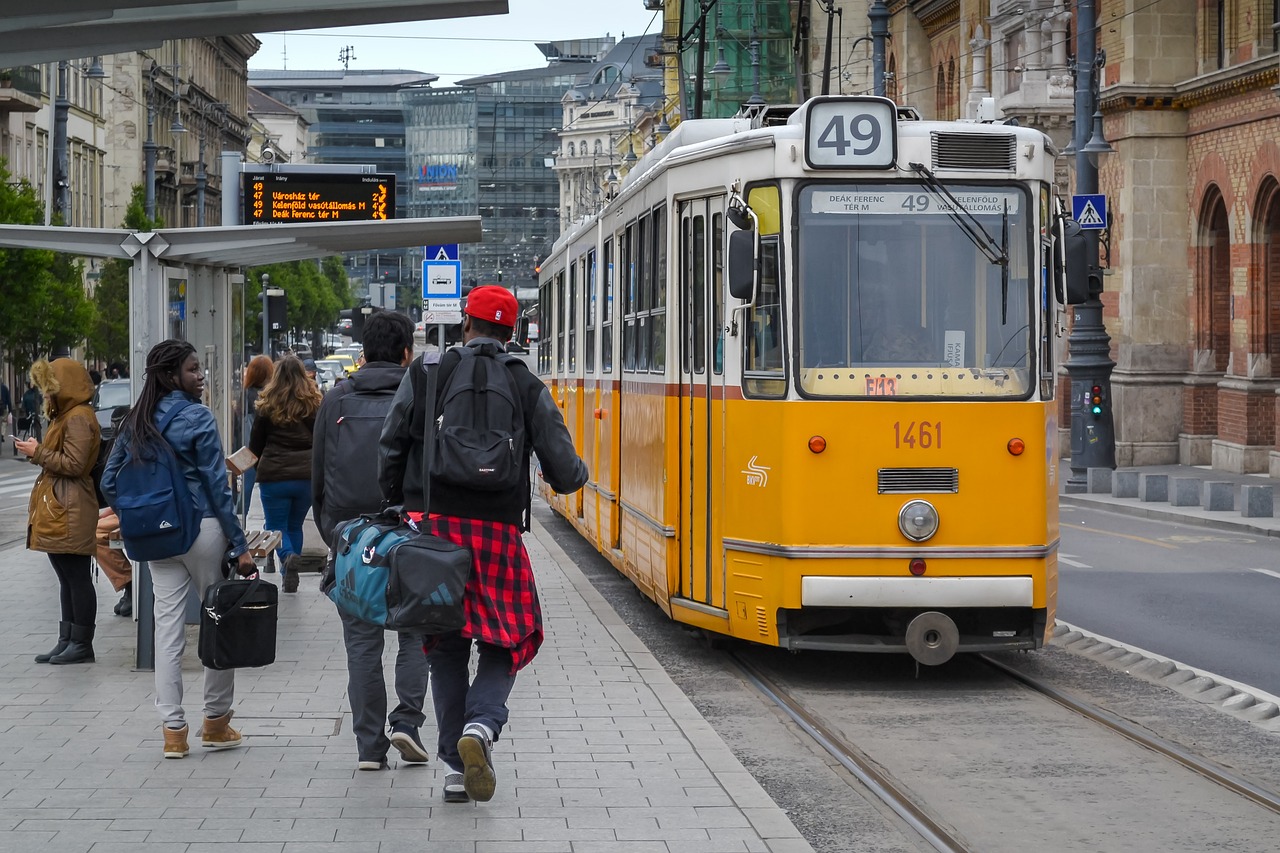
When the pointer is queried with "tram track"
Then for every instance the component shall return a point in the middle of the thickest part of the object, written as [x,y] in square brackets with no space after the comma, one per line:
[929,823]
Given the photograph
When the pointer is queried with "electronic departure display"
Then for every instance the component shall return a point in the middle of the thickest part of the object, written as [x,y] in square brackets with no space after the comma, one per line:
[317,197]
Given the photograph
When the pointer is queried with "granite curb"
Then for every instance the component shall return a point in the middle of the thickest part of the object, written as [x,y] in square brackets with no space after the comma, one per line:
[1230,697]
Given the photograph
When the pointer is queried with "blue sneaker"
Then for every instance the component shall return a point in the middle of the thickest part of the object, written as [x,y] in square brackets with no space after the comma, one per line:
[476,750]
[405,739]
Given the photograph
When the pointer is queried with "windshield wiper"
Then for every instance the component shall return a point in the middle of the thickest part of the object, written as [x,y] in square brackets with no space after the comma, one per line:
[996,253]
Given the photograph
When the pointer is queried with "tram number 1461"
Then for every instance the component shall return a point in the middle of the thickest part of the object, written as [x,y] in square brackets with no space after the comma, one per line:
[924,435]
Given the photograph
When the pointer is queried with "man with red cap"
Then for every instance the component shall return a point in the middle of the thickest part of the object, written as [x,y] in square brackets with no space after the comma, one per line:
[503,616]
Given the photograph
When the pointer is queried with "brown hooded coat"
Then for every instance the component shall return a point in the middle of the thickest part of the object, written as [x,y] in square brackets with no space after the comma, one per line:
[63,513]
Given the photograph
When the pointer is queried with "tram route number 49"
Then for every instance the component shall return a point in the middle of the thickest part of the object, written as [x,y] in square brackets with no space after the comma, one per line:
[851,133]
[924,435]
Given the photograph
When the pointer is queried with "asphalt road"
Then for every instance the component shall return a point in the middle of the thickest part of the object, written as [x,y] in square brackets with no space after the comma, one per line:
[1204,597]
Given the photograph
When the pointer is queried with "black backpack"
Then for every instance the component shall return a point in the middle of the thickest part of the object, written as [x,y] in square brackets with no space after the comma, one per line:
[479,425]
[351,455]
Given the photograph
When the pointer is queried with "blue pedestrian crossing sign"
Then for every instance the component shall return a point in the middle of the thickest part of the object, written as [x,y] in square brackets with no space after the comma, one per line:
[446,252]
[1090,211]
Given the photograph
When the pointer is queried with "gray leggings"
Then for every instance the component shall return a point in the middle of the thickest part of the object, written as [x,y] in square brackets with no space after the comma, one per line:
[171,580]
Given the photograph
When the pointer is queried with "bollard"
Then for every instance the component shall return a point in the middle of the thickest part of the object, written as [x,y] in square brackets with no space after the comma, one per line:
[1124,484]
[1098,481]
[1153,487]
[1184,491]
[1219,496]
[1257,501]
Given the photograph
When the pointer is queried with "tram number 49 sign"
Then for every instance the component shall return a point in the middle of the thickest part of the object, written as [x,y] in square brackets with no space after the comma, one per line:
[850,133]
[922,435]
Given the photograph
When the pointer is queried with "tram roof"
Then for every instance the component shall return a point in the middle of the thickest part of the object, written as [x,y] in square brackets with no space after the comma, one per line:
[233,246]
[67,29]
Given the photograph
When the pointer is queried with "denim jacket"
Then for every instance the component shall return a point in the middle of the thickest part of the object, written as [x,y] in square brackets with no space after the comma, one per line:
[193,435]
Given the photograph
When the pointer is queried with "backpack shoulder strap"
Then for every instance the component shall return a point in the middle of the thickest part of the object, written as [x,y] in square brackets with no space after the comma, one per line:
[171,414]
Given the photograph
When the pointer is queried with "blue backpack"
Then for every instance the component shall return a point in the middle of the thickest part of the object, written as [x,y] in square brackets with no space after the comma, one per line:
[159,518]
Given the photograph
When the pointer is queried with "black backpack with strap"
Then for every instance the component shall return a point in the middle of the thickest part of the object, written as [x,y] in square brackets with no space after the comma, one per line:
[479,425]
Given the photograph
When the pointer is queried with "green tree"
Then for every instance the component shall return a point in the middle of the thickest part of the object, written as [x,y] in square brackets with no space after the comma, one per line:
[44,304]
[314,292]
[109,337]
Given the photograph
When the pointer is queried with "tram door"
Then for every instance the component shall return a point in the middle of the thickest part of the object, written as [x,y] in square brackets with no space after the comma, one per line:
[701,399]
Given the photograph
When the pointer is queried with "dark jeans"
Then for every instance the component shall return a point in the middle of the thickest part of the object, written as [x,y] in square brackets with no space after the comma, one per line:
[367,691]
[457,703]
[285,504]
[78,598]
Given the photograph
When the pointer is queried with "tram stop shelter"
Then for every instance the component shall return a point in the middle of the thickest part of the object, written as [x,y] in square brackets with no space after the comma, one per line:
[188,283]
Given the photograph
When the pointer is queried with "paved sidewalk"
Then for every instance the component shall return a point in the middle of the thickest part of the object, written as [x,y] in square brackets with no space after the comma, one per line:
[1163,510]
[604,753]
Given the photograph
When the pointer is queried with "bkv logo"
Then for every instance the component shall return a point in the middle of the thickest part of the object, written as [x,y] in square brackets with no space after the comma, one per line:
[757,474]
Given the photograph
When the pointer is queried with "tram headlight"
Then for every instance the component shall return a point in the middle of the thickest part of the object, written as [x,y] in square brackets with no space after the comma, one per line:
[918,520]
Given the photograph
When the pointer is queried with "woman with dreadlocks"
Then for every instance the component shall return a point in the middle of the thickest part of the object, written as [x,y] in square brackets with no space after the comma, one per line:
[173,378]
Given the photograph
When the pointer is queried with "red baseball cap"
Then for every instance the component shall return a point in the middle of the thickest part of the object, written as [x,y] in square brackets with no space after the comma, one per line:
[494,304]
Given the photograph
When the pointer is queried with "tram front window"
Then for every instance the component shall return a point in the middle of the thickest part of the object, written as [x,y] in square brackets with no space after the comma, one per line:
[892,288]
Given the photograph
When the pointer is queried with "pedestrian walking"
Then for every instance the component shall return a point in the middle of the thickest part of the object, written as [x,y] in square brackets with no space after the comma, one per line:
[345,451]
[281,439]
[174,378]
[32,411]
[63,510]
[256,376]
[503,616]
[6,413]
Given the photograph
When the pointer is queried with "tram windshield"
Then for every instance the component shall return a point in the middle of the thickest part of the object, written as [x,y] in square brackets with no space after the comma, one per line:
[895,299]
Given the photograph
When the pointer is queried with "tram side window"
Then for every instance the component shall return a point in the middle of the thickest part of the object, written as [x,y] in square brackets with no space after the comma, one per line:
[589,331]
[699,281]
[626,249]
[560,322]
[763,376]
[658,299]
[606,313]
[717,292]
[544,337]
[571,309]
[644,295]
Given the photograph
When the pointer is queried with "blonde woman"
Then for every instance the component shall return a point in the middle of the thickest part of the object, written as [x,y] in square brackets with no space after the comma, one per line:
[281,439]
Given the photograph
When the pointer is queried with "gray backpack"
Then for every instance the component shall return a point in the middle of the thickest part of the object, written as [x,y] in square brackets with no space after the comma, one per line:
[480,435]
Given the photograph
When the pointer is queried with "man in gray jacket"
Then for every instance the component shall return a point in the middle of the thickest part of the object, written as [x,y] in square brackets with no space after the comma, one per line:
[344,457]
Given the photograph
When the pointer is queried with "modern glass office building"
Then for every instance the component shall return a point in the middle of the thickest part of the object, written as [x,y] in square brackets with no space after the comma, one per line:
[355,119]
[485,146]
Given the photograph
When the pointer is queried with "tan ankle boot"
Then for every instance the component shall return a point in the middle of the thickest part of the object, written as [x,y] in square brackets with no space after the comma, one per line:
[218,734]
[175,742]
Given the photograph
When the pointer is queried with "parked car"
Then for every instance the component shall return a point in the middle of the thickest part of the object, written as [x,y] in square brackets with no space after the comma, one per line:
[329,371]
[112,394]
[348,364]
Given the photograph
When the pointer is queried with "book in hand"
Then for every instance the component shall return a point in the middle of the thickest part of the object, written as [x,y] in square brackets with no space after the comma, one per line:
[242,460]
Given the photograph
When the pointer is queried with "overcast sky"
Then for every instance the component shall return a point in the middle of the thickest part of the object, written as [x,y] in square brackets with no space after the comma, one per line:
[460,47]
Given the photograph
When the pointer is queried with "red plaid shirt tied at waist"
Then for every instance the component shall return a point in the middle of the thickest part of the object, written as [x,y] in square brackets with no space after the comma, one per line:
[501,600]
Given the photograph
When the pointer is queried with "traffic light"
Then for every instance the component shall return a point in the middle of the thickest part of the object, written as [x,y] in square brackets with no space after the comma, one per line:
[357,316]
[277,313]
[1095,401]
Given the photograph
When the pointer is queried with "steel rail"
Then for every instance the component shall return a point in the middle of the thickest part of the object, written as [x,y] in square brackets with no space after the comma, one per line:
[857,763]
[1213,772]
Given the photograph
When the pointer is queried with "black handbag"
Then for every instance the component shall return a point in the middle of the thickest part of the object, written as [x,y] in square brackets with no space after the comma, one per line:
[238,624]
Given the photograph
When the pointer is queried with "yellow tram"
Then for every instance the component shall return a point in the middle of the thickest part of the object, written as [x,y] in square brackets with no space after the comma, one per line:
[808,355]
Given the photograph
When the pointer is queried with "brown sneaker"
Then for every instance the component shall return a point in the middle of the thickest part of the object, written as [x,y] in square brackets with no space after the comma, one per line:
[218,734]
[175,742]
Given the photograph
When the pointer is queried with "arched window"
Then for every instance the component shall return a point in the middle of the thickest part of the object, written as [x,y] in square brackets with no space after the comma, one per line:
[1213,281]
[891,84]
[940,95]
[1268,286]
[953,91]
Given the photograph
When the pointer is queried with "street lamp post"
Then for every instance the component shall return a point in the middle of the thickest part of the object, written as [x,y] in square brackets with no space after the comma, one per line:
[61,183]
[879,14]
[149,158]
[1089,364]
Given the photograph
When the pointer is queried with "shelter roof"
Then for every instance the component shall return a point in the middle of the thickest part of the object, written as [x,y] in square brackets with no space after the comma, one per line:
[67,29]
[233,246]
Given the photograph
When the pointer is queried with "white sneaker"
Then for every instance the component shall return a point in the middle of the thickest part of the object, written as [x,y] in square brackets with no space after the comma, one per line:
[476,749]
